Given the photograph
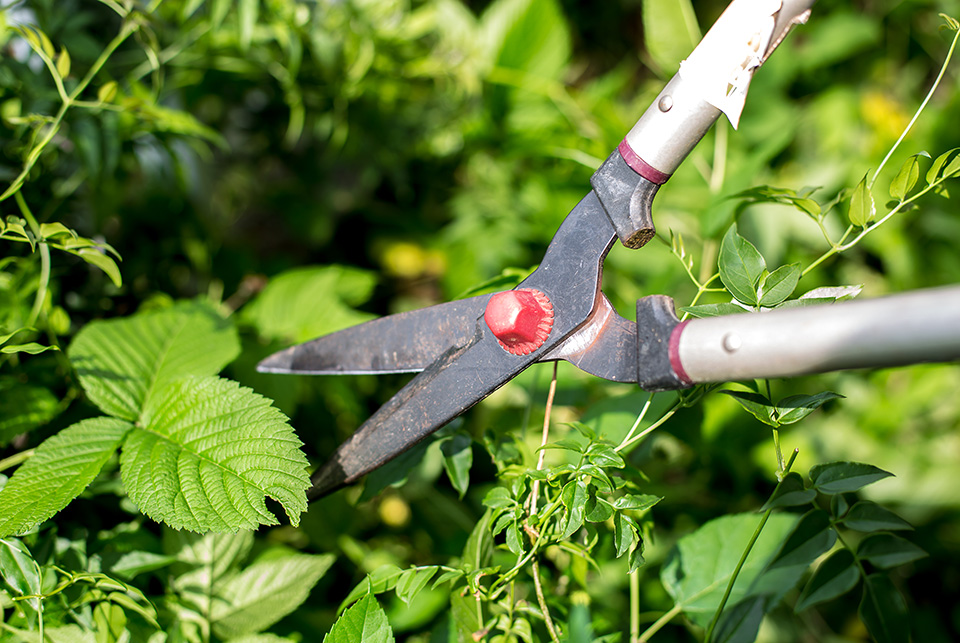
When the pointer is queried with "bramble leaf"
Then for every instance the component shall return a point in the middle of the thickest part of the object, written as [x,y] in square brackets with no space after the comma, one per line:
[207,452]
[60,469]
[740,266]
[24,408]
[363,622]
[121,362]
[264,592]
[844,477]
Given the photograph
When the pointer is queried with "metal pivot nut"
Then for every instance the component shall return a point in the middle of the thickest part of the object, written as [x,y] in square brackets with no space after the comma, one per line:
[521,320]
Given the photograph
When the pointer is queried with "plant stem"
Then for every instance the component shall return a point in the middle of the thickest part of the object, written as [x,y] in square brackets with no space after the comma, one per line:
[15,459]
[44,282]
[936,83]
[659,623]
[746,553]
[543,602]
[634,607]
[535,489]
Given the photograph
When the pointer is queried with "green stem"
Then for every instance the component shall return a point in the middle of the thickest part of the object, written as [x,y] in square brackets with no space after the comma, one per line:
[543,602]
[936,83]
[44,260]
[660,622]
[746,553]
[634,607]
[15,459]
[34,155]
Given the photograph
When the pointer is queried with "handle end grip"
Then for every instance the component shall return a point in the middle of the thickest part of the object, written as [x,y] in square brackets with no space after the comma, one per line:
[627,197]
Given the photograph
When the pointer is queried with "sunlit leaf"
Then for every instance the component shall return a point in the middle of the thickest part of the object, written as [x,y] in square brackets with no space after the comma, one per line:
[412,581]
[457,460]
[671,32]
[906,178]
[779,284]
[713,310]
[207,453]
[61,468]
[796,407]
[863,210]
[363,622]
[740,266]
[574,498]
[757,405]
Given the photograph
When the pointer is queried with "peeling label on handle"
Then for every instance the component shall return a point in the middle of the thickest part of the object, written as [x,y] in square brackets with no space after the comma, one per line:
[723,63]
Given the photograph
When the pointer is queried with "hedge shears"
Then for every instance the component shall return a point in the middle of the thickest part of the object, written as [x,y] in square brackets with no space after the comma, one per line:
[464,350]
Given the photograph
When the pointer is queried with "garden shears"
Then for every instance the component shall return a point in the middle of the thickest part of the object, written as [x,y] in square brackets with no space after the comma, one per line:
[465,350]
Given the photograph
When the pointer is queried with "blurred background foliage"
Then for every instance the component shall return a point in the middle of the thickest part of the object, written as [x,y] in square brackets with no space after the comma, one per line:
[311,165]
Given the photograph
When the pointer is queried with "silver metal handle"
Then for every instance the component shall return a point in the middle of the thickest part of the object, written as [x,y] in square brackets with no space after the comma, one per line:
[920,326]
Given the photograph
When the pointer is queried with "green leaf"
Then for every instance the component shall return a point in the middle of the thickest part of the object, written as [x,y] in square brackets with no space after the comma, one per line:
[478,551]
[740,267]
[465,614]
[757,405]
[31,348]
[869,516]
[790,493]
[713,310]
[906,178]
[833,293]
[835,576]
[364,622]
[779,284]
[382,579]
[135,563]
[603,455]
[265,592]
[574,497]
[498,498]
[19,571]
[937,171]
[122,362]
[63,63]
[625,534]
[741,622]
[863,210]
[514,540]
[796,407]
[412,581]
[838,506]
[670,32]
[24,408]
[638,502]
[597,509]
[305,303]
[887,550]
[884,611]
[248,13]
[207,452]
[844,477]
[96,257]
[107,92]
[812,536]
[457,460]
[60,469]
[204,559]
[700,566]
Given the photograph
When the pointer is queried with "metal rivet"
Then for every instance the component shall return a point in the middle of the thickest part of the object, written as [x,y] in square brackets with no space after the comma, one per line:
[665,103]
[732,342]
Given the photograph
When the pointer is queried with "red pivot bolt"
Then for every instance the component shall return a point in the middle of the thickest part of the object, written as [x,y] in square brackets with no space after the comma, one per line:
[520,319]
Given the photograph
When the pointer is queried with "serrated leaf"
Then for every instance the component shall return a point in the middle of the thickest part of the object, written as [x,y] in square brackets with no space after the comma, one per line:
[24,408]
[835,576]
[906,178]
[699,568]
[863,210]
[61,468]
[779,284]
[364,622]
[757,405]
[265,592]
[740,267]
[457,460]
[207,452]
[713,310]
[796,407]
[741,622]
[203,560]
[121,362]
[844,477]
[305,303]
[869,516]
[790,493]
[887,550]
[884,611]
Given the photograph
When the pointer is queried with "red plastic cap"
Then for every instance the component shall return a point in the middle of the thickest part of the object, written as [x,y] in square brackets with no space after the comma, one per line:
[521,320]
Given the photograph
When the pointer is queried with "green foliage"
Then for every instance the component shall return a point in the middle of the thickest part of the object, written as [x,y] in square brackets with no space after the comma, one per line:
[364,622]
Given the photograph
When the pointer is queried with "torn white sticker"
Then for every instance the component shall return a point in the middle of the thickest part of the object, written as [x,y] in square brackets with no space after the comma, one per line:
[723,63]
